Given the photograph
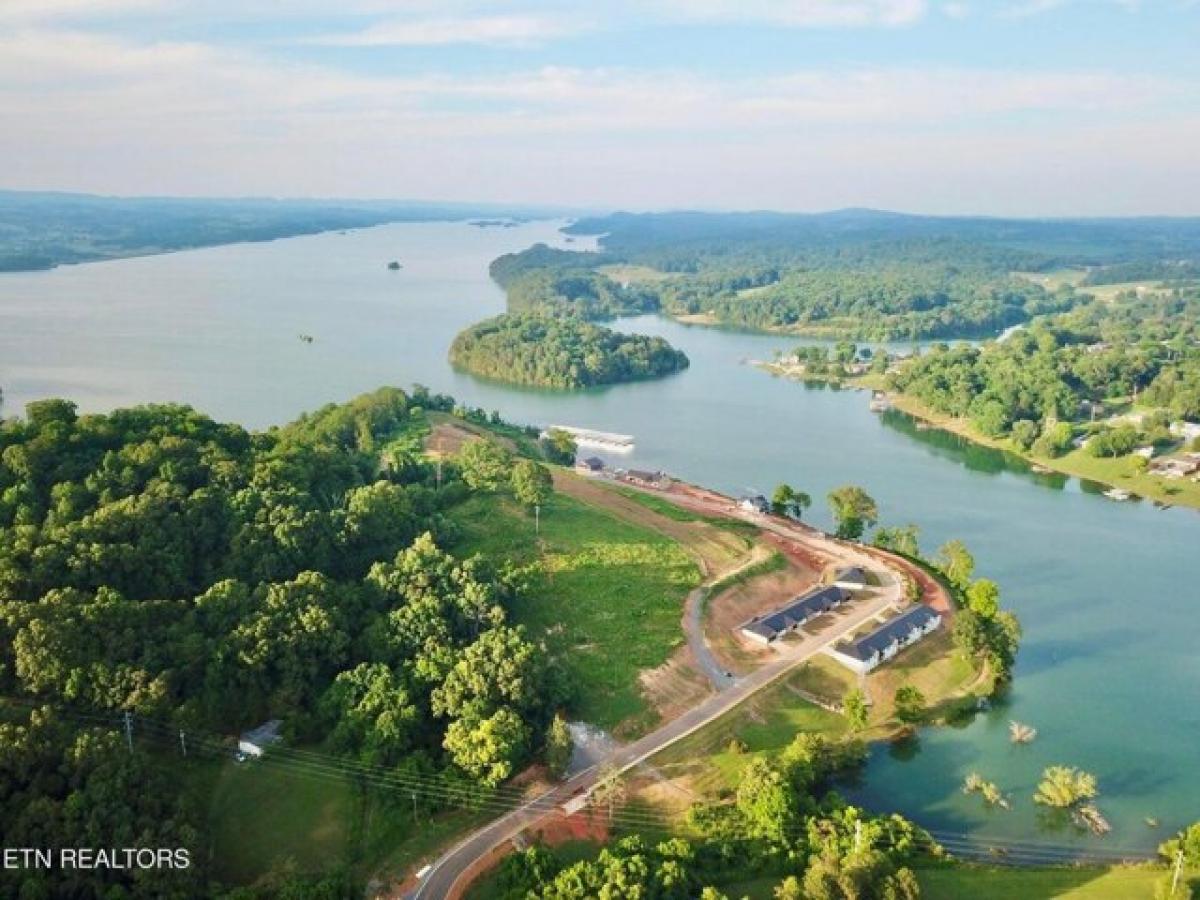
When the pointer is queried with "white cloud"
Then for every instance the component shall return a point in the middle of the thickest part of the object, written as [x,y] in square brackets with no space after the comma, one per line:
[519,30]
[30,11]
[805,13]
[100,113]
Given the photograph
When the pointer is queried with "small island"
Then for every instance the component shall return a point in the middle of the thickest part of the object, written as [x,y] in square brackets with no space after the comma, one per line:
[561,352]
[394,266]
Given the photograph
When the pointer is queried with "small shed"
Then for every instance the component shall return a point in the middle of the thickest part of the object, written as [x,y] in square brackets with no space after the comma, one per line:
[256,741]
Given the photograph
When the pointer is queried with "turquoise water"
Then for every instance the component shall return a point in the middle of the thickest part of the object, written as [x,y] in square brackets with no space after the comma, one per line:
[1108,671]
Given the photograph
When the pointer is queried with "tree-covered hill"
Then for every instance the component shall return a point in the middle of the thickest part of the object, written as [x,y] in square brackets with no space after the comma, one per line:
[560,351]
[205,577]
[856,274]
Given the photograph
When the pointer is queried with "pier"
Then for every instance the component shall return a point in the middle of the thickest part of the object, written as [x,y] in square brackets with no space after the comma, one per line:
[590,437]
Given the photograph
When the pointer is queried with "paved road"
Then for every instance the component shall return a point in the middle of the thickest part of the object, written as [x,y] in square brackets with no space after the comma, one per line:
[693,626]
[441,881]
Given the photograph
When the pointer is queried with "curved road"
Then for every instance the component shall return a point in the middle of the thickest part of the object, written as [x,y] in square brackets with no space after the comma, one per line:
[443,878]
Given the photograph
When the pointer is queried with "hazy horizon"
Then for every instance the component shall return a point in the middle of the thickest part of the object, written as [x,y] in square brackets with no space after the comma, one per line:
[1029,108]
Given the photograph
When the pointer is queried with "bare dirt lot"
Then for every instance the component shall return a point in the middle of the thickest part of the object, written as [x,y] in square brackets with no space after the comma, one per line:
[729,609]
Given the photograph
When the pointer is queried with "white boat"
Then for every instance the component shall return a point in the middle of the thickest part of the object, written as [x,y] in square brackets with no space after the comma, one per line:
[590,437]
[1118,494]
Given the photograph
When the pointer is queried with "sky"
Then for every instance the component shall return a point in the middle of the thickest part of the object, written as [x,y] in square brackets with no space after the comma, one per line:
[999,107]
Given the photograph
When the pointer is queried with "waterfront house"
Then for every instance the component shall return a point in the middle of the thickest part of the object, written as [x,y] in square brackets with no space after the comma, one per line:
[800,610]
[755,503]
[869,652]
[593,465]
[851,578]
[643,478]
[1176,466]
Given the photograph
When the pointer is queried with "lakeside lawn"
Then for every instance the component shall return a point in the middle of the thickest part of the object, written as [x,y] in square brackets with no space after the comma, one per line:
[1119,472]
[1007,883]
[606,595]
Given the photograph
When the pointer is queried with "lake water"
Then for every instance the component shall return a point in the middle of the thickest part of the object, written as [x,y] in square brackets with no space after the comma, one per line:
[1109,671]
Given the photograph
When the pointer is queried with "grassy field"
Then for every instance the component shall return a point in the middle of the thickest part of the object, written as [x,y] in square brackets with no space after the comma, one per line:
[658,504]
[955,883]
[1120,883]
[606,594]
[712,759]
[632,274]
[262,814]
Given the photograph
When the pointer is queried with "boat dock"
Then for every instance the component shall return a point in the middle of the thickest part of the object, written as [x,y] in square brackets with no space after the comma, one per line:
[590,437]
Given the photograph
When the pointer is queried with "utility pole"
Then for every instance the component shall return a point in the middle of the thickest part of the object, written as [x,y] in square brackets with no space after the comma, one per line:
[414,799]
[129,730]
[182,742]
[1178,870]
[857,835]
[537,518]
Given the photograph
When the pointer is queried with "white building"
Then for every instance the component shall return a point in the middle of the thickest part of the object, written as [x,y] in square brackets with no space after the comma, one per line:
[256,741]
[887,640]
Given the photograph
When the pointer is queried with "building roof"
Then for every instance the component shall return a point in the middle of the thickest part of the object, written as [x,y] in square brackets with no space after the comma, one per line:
[851,575]
[799,611]
[643,475]
[593,462]
[887,633]
[266,733]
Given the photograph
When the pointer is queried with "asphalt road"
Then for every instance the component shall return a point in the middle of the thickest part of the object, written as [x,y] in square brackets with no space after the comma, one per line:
[440,882]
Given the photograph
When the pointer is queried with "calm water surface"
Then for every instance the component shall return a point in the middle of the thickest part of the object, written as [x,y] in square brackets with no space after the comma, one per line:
[1109,671]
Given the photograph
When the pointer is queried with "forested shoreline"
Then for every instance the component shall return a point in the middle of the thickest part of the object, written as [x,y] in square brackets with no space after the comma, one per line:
[854,274]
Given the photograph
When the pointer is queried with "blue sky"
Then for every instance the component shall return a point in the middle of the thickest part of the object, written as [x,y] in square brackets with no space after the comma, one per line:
[1027,107]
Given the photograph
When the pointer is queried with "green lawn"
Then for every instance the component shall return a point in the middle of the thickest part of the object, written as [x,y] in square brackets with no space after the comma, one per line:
[261,814]
[606,595]
[1121,883]
[658,505]
[986,883]
[764,725]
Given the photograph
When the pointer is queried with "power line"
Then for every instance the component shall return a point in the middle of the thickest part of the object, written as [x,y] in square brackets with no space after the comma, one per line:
[506,799]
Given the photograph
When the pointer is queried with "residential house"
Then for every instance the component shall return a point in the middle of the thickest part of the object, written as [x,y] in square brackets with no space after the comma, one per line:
[593,465]
[869,652]
[851,578]
[801,610]
[755,503]
[643,478]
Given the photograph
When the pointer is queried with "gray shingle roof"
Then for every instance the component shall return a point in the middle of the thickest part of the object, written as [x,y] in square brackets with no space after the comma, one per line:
[892,630]
[799,611]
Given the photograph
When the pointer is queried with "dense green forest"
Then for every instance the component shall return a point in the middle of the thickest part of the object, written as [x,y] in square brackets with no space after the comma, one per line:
[544,350]
[157,562]
[854,274]
[42,230]
[1057,381]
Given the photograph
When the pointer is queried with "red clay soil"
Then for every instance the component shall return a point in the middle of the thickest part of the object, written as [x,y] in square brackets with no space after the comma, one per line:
[933,592]
[585,825]
[796,552]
